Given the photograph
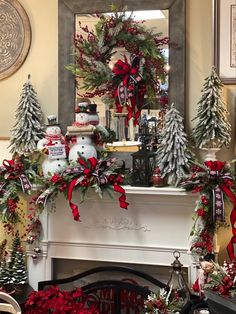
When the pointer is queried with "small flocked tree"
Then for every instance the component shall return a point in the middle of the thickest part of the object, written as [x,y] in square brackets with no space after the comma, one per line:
[173,155]
[28,128]
[19,272]
[5,276]
[212,128]
[16,243]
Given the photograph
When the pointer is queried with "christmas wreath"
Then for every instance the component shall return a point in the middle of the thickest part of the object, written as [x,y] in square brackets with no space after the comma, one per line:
[129,81]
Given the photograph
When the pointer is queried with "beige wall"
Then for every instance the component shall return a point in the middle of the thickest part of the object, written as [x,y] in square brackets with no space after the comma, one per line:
[42,62]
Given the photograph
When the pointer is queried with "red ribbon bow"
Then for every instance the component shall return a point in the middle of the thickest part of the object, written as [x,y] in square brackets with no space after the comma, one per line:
[14,173]
[130,89]
[89,169]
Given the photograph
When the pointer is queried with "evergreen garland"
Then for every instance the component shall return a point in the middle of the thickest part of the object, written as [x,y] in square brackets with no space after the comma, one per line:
[28,128]
[212,128]
[173,155]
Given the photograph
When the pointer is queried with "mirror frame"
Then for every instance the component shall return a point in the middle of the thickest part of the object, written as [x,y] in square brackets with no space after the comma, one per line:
[67,10]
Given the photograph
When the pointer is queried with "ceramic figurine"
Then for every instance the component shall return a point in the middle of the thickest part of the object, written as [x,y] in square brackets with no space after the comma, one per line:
[82,131]
[54,147]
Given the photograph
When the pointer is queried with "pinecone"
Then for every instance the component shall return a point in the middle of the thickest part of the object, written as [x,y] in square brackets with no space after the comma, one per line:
[131,47]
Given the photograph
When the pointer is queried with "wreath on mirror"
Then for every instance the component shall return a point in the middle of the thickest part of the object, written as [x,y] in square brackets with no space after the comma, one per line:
[130,81]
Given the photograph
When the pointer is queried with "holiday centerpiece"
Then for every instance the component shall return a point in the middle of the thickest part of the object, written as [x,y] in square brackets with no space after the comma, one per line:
[126,83]
[215,183]
[212,129]
[161,303]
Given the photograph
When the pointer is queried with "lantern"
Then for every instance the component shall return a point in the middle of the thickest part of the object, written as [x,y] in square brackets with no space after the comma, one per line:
[177,281]
[144,160]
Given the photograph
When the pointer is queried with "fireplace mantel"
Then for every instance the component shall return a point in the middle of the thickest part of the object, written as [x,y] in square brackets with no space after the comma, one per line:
[157,222]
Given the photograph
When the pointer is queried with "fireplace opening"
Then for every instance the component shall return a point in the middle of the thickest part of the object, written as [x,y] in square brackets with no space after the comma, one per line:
[63,268]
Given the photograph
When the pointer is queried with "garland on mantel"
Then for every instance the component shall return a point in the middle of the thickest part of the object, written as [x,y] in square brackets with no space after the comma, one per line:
[19,175]
[215,183]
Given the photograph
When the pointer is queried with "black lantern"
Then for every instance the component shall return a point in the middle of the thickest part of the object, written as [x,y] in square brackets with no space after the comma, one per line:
[177,282]
[144,160]
[153,130]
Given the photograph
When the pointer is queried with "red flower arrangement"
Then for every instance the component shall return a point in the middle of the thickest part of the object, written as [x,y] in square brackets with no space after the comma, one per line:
[54,300]
[215,183]
[223,279]
[163,302]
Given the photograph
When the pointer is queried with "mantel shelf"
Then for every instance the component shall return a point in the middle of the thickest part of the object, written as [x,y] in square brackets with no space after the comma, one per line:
[166,190]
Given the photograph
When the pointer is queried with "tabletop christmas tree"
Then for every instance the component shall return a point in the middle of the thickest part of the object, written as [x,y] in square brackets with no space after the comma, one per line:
[15,244]
[212,129]
[5,276]
[28,128]
[173,155]
[19,275]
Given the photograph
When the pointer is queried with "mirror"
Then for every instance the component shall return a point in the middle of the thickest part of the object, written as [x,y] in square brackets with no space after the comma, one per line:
[67,13]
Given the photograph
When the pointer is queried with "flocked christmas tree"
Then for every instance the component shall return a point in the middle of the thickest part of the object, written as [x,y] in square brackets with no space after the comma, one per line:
[28,128]
[5,276]
[212,128]
[19,274]
[173,154]
[16,243]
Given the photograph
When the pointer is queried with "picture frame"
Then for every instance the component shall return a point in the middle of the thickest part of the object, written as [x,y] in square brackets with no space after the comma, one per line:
[225,40]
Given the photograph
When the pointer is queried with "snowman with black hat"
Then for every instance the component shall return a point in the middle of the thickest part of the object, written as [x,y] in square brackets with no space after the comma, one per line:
[54,148]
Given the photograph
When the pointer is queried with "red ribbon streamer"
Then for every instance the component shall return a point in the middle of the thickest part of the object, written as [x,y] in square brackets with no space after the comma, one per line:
[122,198]
[74,207]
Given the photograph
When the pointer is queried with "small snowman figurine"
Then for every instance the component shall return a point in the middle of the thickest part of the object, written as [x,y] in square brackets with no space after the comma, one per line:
[81,115]
[53,145]
[83,132]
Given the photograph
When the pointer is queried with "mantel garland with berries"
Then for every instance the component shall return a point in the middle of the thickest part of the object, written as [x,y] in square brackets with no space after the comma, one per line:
[129,81]
[215,183]
[17,176]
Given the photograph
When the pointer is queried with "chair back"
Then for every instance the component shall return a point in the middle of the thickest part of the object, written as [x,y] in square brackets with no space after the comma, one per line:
[9,305]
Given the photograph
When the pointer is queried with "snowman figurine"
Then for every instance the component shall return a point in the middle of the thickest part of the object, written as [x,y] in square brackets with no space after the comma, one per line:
[83,132]
[53,145]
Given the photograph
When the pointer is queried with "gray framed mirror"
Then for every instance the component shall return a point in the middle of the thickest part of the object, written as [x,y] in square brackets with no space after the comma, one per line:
[67,11]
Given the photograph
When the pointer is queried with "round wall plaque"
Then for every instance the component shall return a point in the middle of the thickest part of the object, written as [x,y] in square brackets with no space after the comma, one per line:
[15,37]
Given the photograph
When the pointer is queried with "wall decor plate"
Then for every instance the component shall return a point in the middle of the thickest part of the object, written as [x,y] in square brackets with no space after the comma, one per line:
[15,37]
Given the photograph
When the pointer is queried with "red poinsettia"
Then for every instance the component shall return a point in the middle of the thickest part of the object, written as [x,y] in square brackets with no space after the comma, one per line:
[56,301]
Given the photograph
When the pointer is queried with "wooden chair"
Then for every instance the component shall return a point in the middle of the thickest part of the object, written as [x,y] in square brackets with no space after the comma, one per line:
[111,289]
[9,305]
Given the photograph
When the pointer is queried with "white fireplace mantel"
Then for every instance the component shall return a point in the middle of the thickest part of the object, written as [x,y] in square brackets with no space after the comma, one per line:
[157,222]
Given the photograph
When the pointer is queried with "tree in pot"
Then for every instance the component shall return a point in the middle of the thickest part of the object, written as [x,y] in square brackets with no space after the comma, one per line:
[212,130]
